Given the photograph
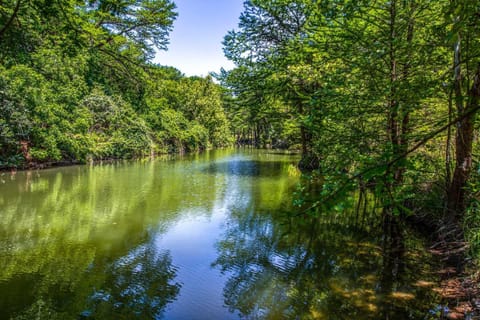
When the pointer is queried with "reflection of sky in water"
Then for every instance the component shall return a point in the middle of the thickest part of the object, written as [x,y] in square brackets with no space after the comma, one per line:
[193,240]
[192,252]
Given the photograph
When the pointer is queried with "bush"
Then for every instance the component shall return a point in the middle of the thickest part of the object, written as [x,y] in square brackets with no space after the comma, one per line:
[115,130]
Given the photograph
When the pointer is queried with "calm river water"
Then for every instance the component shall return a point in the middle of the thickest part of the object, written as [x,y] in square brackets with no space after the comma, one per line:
[197,237]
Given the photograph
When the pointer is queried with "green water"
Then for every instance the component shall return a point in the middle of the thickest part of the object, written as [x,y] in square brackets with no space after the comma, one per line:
[197,237]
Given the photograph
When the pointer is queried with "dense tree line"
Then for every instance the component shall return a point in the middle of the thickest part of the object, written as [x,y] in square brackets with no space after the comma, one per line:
[380,96]
[76,83]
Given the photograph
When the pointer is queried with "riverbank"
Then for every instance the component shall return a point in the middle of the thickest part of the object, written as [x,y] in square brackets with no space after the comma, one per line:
[66,163]
[457,271]
[459,280]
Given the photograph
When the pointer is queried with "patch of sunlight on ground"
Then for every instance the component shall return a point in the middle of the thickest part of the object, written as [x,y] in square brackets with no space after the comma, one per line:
[424,284]
[402,295]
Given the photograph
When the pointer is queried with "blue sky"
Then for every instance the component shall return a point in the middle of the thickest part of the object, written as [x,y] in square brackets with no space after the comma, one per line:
[196,40]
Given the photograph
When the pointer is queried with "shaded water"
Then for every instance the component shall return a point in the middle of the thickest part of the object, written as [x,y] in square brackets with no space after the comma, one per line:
[199,237]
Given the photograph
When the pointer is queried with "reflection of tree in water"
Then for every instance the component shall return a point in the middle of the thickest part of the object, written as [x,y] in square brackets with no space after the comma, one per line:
[138,286]
[62,230]
[248,168]
[311,269]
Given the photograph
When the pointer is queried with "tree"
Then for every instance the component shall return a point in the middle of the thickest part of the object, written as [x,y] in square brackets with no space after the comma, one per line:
[464,17]
[265,48]
[77,84]
[145,23]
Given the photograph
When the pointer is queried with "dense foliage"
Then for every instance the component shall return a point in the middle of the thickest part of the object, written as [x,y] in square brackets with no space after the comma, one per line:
[76,84]
[380,96]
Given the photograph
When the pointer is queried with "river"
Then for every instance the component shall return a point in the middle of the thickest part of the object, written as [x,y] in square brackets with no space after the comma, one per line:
[209,236]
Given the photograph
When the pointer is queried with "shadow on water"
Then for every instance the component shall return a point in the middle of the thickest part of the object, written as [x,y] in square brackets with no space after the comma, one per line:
[247,168]
[325,268]
[285,153]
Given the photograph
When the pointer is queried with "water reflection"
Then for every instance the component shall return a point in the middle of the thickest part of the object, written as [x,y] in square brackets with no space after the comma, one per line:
[138,285]
[323,268]
[206,236]
[77,241]
[249,168]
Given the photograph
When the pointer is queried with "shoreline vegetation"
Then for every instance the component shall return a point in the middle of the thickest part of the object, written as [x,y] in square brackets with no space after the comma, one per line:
[379,97]
[151,156]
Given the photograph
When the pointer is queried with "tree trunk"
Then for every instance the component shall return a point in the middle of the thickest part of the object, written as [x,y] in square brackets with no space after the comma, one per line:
[24,146]
[309,160]
[392,122]
[457,194]
[406,104]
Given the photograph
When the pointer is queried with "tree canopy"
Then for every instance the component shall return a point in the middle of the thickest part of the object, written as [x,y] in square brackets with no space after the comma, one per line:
[77,84]
[378,95]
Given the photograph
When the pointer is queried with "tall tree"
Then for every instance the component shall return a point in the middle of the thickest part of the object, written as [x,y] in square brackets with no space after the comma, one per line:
[465,18]
[265,46]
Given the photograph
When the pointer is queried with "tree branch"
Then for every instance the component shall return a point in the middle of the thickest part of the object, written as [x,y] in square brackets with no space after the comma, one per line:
[423,141]
[12,17]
